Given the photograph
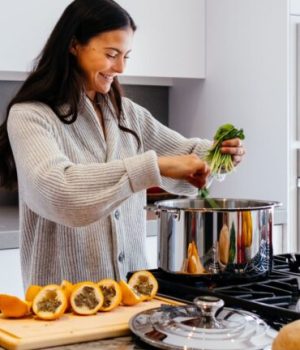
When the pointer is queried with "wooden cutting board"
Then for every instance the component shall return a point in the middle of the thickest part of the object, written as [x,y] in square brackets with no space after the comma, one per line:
[29,333]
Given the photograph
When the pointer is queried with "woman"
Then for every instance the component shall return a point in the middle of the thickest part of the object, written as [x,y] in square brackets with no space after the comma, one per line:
[85,155]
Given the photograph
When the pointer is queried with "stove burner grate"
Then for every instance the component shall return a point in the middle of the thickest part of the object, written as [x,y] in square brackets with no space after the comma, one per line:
[275,298]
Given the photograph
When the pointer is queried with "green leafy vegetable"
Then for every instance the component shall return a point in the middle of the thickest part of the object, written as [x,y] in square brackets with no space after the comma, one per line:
[218,161]
[203,192]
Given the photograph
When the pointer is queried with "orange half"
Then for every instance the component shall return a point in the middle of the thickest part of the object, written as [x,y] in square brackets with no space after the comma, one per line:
[129,295]
[112,294]
[12,306]
[144,283]
[86,298]
[50,303]
[32,291]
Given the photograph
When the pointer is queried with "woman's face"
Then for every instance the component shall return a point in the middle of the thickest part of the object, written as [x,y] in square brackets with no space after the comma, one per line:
[103,58]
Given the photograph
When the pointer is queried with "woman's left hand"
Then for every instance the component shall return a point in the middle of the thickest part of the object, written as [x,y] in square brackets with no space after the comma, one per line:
[235,148]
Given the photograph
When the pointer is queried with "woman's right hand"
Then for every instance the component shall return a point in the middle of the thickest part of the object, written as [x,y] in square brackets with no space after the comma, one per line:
[185,167]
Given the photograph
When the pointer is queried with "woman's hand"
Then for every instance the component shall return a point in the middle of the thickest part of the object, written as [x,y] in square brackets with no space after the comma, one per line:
[235,148]
[185,167]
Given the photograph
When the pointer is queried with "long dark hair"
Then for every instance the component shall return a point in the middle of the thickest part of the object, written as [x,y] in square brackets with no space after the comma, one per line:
[56,79]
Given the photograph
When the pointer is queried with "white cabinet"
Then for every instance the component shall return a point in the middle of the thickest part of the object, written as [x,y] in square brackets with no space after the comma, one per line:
[24,29]
[169,41]
[170,38]
[10,273]
[294,7]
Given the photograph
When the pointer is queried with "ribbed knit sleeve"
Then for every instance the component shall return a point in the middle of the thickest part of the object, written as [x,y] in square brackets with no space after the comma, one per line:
[60,190]
[167,142]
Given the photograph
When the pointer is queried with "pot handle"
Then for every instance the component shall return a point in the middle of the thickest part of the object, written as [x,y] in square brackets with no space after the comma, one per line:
[153,208]
[175,212]
[150,207]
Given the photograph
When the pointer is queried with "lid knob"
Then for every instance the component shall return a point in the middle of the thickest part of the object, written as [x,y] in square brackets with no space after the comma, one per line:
[209,305]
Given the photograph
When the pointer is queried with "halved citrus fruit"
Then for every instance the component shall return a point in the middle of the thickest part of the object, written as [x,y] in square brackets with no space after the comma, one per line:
[12,306]
[32,291]
[144,283]
[67,287]
[50,302]
[86,298]
[129,295]
[112,294]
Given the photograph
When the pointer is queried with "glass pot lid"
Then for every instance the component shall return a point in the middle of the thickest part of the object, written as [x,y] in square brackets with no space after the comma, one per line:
[205,325]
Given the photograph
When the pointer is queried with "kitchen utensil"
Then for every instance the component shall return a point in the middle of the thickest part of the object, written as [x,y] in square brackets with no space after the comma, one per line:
[202,326]
[233,238]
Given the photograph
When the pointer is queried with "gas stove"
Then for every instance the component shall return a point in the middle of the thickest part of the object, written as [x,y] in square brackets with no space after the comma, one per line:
[275,298]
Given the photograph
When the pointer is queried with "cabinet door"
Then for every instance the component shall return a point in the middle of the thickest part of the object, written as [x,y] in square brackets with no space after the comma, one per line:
[170,38]
[169,41]
[24,29]
[294,7]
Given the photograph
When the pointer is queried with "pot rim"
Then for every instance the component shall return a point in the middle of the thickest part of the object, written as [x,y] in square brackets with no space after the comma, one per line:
[165,205]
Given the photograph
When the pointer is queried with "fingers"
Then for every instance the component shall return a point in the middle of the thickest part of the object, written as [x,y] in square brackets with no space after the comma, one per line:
[235,148]
[202,169]
[236,142]
[236,160]
[200,174]
[197,181]
[185,167]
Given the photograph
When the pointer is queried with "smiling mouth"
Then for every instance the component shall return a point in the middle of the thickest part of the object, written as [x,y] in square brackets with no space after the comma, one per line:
[108,78]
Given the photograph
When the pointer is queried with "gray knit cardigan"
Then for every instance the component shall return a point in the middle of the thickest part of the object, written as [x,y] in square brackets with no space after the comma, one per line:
[81,195]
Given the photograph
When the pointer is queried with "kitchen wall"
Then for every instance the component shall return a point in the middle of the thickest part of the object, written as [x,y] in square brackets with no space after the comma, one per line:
[246,84]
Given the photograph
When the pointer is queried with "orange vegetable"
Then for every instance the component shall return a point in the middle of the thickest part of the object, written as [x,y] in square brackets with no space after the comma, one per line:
[50,303]
[112,294]
[12,306]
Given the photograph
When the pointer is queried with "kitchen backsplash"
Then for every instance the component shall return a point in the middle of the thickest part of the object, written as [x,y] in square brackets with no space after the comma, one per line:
[153,98]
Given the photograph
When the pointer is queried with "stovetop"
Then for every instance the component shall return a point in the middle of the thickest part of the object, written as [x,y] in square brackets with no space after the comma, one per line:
[275,298]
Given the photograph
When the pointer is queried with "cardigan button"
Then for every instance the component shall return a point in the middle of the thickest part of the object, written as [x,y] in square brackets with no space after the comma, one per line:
[121,257]
[117,214]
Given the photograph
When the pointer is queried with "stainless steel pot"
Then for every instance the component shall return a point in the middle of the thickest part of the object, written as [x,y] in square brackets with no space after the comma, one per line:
[228,237]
